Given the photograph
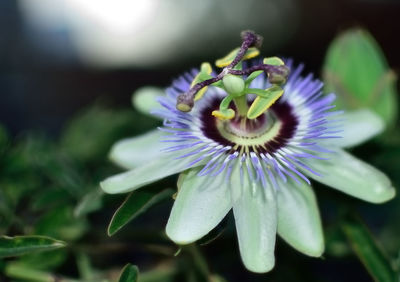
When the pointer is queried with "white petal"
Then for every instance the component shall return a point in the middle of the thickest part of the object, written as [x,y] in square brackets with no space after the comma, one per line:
[350,175]
[202,202]
[255,214]
[165,165]
[299,222]
[132,152]
[358,127]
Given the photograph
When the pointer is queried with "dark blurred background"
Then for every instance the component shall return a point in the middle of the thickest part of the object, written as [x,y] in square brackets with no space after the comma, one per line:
[57,56]
[60,56]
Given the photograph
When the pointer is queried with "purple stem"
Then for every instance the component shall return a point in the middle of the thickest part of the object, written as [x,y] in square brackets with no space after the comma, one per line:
[263,67]
[250,39]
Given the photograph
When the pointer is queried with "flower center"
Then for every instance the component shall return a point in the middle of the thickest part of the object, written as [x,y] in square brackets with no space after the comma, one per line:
[267,133]
[247,132]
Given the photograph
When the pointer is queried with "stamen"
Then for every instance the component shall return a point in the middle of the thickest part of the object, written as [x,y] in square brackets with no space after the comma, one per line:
[235,87]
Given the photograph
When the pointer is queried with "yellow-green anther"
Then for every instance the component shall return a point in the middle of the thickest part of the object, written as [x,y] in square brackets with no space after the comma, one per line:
[206,68]
[274,61]
[225,102]
[281,73]
[184,103]
[225,61]
[276,78]
[233,84]
[224,114]
[204,74]
[264,101]
[183,107]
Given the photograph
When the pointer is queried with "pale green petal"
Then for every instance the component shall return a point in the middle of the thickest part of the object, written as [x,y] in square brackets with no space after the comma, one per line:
[132,152]
[202,202]
[299,222]
[358,127]
[164,165]
[255,214]
[350,175]
[144,99]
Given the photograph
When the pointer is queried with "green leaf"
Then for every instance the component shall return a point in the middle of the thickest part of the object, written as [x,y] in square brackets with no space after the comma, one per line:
[356,70]
[129,273]
[366,248]
[135,204]
[20,245]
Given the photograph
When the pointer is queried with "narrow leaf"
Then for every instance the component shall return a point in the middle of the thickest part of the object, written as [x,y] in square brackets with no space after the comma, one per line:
[367,250]
[129,273]
[136,203]
[20,245]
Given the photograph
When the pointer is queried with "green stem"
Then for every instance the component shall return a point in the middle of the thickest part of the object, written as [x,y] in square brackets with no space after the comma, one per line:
[198,260]
[241,105]
[225,103]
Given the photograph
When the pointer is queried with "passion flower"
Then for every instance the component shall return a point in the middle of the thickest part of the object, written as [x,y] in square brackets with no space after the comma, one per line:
[244,140]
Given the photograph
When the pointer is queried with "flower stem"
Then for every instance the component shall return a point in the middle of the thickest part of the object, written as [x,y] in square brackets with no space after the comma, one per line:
[198,259]
[241,105]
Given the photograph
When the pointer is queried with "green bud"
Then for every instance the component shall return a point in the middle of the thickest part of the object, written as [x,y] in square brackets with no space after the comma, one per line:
[233,84]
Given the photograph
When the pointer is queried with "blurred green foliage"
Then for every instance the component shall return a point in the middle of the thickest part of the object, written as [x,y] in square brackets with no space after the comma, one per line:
[50,188]
[356,70]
